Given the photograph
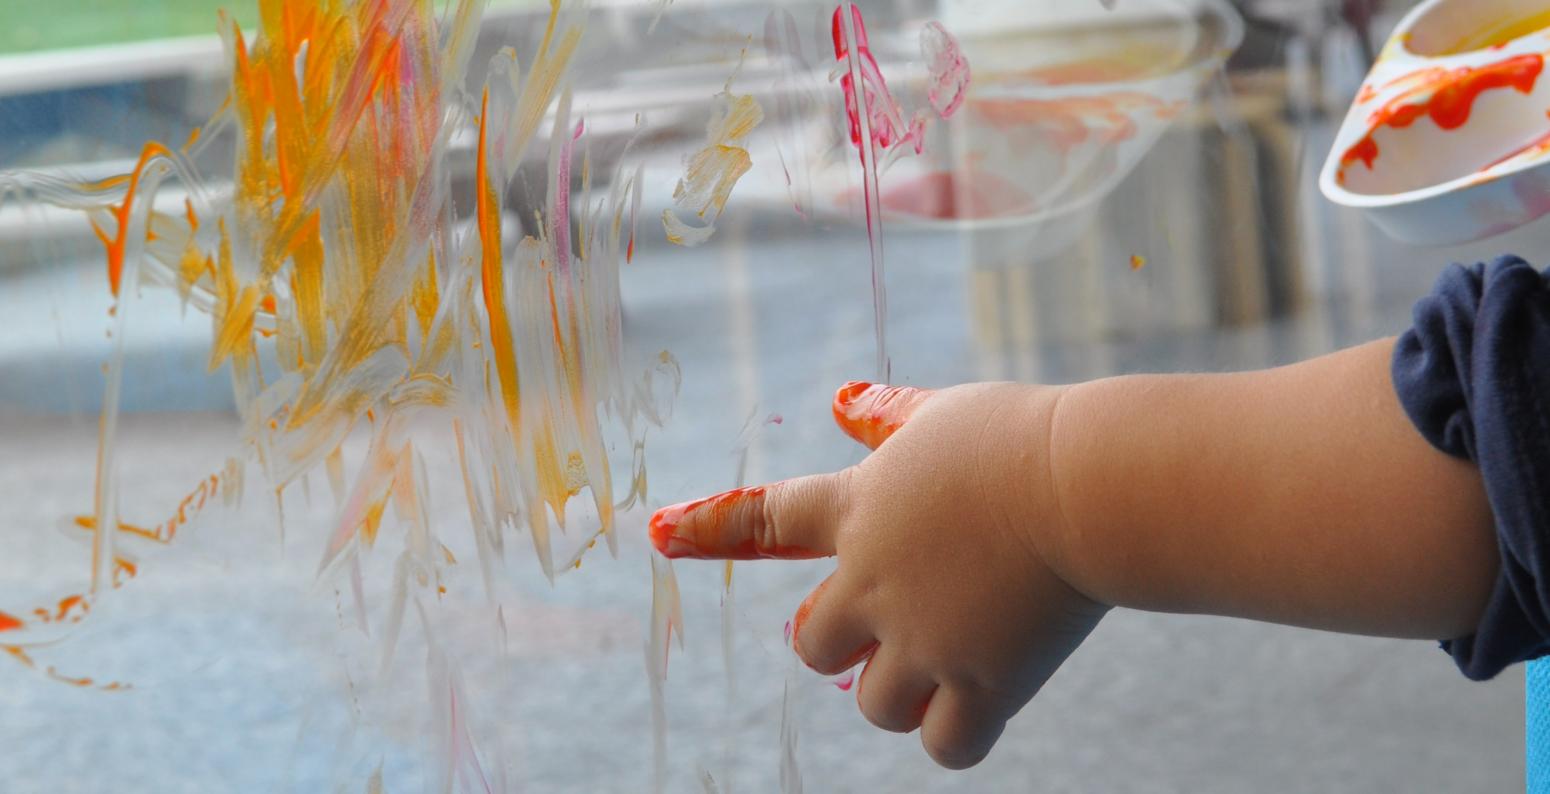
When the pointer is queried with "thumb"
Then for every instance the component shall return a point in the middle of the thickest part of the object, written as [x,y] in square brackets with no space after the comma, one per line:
[789,520]
[870,413]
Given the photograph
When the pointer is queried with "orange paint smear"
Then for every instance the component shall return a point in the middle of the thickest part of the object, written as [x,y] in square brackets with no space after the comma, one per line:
[805,610]
[1452,100]
[166,531]
[21,656]
[870,413]
[115,244]
[710,517]
[492,277]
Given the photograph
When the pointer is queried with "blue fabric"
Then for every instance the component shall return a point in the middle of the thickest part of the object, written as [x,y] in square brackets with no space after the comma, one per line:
[1537,710]
[1474,376]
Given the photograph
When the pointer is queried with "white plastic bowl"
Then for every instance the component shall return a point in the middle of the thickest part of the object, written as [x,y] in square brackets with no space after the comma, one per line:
[1448,139]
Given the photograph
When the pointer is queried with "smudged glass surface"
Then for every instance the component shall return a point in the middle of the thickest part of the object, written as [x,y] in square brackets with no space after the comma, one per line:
[513,331]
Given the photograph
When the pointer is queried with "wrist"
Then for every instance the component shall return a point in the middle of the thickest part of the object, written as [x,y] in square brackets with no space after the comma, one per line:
[1043,507]
[1079,534]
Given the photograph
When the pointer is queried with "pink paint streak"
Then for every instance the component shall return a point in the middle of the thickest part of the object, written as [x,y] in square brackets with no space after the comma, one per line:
[948,85]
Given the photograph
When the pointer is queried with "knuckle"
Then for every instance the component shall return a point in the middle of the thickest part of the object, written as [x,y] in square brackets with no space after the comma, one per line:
[766,524]
[838,494]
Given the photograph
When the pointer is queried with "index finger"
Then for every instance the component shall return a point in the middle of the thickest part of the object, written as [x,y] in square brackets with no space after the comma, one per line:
[789,520]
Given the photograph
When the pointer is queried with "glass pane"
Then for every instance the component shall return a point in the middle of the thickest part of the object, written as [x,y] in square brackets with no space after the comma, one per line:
[380,373]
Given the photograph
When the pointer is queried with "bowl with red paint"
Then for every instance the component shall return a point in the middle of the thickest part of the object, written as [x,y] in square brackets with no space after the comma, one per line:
[1448,138]
[1066,100]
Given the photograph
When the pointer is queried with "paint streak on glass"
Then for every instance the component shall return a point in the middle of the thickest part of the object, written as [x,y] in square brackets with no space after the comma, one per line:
[948,82]
[713,171]
[881,131]
[337,253]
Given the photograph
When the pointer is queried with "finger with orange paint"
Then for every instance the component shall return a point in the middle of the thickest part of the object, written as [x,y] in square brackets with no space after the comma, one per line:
[870,413]
[787,520]
[941,587]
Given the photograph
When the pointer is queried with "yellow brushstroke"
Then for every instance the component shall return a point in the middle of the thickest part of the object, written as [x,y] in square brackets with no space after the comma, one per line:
[713,171]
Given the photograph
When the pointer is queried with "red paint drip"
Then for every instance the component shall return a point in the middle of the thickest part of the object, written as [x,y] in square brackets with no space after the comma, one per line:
[880,107]
[1452,101]
[8,623]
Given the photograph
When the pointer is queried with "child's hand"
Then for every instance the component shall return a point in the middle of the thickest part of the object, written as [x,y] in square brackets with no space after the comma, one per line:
[950,547]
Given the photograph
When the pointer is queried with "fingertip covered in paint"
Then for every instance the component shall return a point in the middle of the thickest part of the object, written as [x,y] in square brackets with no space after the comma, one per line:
[870,413]
[663,524]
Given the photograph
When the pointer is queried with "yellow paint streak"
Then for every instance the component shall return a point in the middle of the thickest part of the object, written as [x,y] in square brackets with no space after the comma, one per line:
[1500,31]
[425,296]
[710,177]
[542,81]
[307,256]
[235,307]
[372,522]
[714,170]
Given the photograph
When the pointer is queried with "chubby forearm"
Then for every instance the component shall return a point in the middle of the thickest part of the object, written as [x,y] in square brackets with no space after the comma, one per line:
[1299,495]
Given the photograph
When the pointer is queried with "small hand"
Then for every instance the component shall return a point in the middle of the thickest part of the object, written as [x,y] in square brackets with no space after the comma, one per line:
[949,541]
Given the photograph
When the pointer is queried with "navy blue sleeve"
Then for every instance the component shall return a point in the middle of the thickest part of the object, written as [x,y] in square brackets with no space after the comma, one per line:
[1474,376]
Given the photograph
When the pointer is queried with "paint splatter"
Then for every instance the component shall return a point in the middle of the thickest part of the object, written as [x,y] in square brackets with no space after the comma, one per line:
[1137,261]
[712,172]
[879,129]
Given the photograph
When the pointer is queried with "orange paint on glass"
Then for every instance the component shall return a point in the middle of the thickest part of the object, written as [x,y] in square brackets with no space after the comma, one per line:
[492,277]
[115,244]
[9,623]
[73,608]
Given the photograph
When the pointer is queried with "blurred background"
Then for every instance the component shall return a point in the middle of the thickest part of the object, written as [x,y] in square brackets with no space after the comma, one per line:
[1178,228]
